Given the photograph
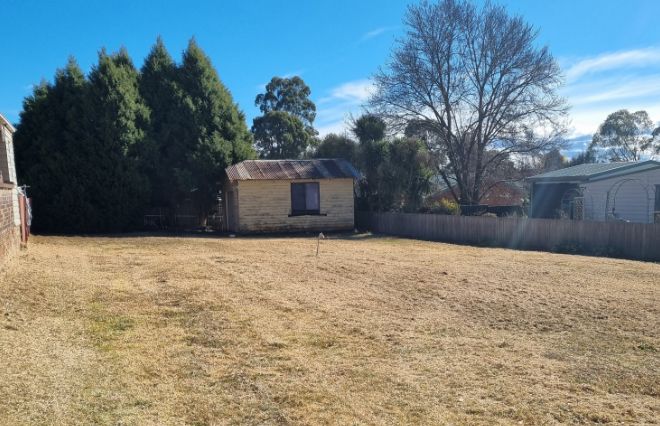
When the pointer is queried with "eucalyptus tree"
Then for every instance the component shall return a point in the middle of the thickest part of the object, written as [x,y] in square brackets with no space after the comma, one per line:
[626,136]
[286,127]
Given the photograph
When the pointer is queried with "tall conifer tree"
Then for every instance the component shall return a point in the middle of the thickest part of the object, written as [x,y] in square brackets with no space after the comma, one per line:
[161,94]
[213,133]
[119,118]
[92,148]
[51,152]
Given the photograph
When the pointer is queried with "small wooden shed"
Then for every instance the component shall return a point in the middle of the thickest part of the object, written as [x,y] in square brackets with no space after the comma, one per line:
[289,196]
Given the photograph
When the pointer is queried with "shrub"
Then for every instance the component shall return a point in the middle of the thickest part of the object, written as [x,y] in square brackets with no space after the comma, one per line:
[443,206]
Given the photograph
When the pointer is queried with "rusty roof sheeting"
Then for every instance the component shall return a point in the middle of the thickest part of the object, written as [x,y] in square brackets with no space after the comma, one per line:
[334,168]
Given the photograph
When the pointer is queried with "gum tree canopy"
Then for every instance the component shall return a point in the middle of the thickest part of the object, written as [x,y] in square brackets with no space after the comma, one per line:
[626,136]
[475,86]
[286,128]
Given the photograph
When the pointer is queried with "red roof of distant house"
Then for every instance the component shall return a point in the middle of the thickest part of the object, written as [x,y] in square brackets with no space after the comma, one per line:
[501,194]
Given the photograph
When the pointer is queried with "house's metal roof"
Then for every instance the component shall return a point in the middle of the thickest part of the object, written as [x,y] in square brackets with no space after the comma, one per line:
[595,171]
[292,169]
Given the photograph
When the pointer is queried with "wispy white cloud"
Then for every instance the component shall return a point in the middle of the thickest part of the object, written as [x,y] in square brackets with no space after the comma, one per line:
[616,89]
[636,58]
[357,91]
[601,84]
[337,127]
[375,33]
[340,103]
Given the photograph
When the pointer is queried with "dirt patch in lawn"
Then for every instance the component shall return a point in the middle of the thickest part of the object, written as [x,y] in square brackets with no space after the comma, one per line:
[158,330]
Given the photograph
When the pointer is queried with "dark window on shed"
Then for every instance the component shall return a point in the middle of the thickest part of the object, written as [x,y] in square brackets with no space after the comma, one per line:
[657,198]
[305,198]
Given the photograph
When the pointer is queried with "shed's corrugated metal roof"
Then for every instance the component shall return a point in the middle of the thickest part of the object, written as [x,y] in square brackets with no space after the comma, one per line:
[595,170]
[292,169]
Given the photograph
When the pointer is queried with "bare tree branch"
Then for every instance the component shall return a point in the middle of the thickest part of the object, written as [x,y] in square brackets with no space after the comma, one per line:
[474,79]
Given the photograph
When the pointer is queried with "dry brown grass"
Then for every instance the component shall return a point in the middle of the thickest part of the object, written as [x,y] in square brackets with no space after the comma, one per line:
[374,331]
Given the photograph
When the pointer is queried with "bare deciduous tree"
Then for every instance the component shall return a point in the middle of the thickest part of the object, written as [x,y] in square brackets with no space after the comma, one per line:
[474,84]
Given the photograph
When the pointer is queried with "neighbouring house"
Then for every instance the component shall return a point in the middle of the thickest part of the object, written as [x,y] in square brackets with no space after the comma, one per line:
[602,192]
[505,193]
[289,195]
[10,222]
[501,198]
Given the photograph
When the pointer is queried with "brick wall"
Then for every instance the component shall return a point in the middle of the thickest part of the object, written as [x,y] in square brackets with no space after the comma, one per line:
[10,236]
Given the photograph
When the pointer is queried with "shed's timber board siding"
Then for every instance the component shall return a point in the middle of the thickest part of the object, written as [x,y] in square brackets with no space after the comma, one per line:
[265,206]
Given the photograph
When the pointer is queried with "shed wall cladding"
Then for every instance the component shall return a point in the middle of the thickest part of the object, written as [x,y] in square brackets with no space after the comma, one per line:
[265,205]
[634,201]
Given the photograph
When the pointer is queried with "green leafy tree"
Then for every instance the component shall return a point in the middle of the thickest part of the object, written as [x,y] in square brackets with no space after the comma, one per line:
[337,146]
[373,156]
[369,127]
[288,95]
[626,136]
[410,172]
[210,130]
[278,134]
[285,130]
[553,160]
[584,157]
[396,172]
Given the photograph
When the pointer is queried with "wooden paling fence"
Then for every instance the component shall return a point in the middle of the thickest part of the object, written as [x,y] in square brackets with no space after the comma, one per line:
[616,239]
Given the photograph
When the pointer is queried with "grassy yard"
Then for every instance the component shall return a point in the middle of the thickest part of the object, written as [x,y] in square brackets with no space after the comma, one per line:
[165,330]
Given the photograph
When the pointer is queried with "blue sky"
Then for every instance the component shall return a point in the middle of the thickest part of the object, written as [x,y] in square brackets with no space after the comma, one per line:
[609,49]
